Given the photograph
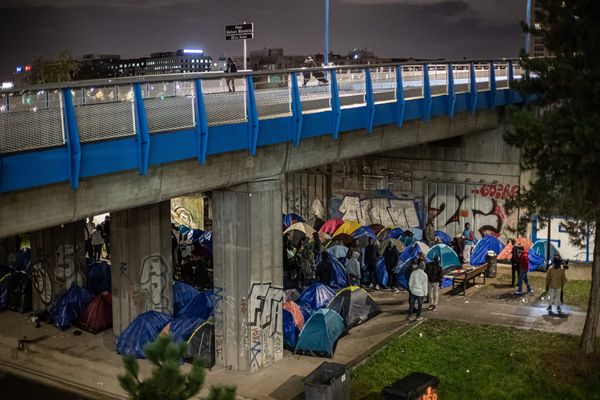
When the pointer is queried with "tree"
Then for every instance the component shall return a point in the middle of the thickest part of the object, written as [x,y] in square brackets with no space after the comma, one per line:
[52,70]
[167,382]
[559,136]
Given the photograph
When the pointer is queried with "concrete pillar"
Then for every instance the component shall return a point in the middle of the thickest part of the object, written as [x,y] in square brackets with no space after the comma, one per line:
[58,260]
[142,265]
[248,275]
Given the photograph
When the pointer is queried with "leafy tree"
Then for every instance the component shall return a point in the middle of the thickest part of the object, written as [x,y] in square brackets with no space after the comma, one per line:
[167,382]
[50,70]
[559,136]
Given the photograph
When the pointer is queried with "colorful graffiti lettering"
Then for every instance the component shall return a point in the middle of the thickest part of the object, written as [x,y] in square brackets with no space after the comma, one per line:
[498,191]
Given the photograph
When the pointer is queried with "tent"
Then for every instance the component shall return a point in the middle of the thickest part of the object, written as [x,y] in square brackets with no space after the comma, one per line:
[300,230]
[182,295]
[98,278]
[342,238]
[201,343]
[537,255]
[206,240]
[354,305]
[290,219]
[348,227]
[320,334]
[404,272]
[487,243]
[381,272]
[339,275]
[384,245]
[417,233]
[293,322]
[407,238]
[70,306]
[316,223]
[97,316]
[448,257]
[331,226]
[364,232]
[376,228]
[202,306]
[506,253]
[316,296]
[144,329]
[182,328]
[294,309]
[338,251]
[413,250]
[443,236]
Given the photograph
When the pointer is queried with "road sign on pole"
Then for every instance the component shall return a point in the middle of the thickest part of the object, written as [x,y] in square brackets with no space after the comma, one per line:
[240,32]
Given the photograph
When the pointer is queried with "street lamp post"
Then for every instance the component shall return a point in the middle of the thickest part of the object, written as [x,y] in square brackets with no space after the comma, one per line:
[326,52]
[528,22]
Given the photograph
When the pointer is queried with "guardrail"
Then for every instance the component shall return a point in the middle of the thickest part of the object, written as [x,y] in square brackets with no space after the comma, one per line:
[73,114]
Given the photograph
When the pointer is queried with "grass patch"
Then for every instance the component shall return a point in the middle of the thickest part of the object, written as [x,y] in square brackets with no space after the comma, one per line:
[483,362]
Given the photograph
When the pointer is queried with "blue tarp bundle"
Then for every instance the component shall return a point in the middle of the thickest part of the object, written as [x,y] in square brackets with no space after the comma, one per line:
[182,295]
[69,307]
[316,296]
[202,306]
[364,231]
[381,271]
[290,331]
[289,219]
[537,255]
[144,329]
[339,275]
[487,243]
[182,328]
[443,236]
[98,278]
[321,333]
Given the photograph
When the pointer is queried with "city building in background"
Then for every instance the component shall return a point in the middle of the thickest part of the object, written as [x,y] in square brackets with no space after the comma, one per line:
[536,44]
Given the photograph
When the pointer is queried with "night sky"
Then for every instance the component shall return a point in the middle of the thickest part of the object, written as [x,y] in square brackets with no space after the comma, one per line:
[392,28]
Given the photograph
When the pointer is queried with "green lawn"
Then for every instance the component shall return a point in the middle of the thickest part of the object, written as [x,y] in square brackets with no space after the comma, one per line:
[483,362]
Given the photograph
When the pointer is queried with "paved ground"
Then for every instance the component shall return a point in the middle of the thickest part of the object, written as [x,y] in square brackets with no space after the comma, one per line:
[88,363]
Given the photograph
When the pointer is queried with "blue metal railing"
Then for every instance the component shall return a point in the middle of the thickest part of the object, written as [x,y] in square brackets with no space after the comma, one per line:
[59,133]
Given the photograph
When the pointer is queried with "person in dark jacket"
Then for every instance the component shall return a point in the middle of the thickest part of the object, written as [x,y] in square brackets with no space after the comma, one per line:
[391,256]
[514,262]
[370,259]
[435,274]
[316,243]
[324,270]
[523,270]
[106,233]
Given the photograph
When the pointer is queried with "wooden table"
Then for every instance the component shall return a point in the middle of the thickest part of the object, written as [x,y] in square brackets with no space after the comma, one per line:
[467,276]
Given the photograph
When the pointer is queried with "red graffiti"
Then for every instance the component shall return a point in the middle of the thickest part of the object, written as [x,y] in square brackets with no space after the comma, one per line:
[498,191]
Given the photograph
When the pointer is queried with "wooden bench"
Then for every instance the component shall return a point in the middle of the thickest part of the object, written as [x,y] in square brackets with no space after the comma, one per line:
[469,276]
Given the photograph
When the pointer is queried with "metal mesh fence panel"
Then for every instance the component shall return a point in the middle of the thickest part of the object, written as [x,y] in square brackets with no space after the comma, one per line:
[438,79]
[273,96]
[412,81]
[169,106]
[315,92]
[352,88]
[482,74]
[462,76]
[222,105]
[501,71]
[383,80]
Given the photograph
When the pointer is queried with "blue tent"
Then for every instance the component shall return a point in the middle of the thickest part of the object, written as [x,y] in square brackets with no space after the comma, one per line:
[182,328]
[413,250]
[404,273]
[144,329]
[381,272]
[69,307]
[417,233]
[316,296]
[320,334]
[98,278]
[289,219]
[339,275]
[395,233]
[338,251]
[182,295]
[364,232]
[290,330]
[201,306]
[537,255]
[306,310]
[448,257]
[407,238]
[183,230]
[443,236]
[487,243]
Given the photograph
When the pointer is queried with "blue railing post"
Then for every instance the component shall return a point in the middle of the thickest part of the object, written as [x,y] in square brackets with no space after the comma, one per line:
[143,135]
[252,116]
[370,99]
[426,94]
[72,138]
[201,123]
[451,92]
[400,101]
[493,86]
[296,109]
[511,81]
[336,109]
[472,88]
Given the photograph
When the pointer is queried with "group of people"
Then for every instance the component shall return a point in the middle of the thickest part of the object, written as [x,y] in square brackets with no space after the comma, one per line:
[424,282]
[96,237]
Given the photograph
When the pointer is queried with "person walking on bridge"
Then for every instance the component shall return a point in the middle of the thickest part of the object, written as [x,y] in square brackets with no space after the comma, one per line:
[231,69]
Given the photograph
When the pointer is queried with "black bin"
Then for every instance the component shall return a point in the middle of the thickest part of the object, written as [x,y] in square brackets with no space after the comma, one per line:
[415,386]
[492,263]
[329,381]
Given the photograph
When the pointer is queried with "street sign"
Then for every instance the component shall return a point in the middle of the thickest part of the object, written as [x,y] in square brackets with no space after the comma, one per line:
[239,31]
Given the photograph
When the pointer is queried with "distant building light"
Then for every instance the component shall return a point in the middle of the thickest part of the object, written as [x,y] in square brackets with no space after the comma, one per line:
[19,69]
[28,68]
[7,85]
[193,51]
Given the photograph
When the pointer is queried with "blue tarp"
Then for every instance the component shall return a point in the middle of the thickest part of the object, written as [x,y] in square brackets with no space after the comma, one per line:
[290,331]
[202,306]
[182,328]
[487,243]
[395,233]
[404,273]
[338,251]
[364,231]
[417,233]
[98,278]
[207,240]
[144,329]
[410,251]
[306,310]
[321,333]
[339,275]
[381,271]
[316,296]
[444,237]
[69,307]
[182,295]
[194,235]
[537,255]
[289,219]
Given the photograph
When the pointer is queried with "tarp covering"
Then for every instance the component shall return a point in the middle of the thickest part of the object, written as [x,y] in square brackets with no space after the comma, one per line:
[181,328]
[144,329]
[506,253]
[201,343]
[381,272]
[448,257]
[354,305]
[294,309]
[290,330]
[443,236]
[98,278]
[320,334]
[182,295]
[537,255]
[417,233]
[331,226]
[207,240]
[396,232]
[487,243]
[316,296]
[404,273]
[97,316]
[413,250]
[338,251]
[194,234]
[202,306]
[290,219]
[407,238]
[339,275]
[70,306]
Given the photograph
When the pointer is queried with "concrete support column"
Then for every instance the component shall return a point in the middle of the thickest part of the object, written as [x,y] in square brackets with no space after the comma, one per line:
[58,260]
[142,264]
[248,275]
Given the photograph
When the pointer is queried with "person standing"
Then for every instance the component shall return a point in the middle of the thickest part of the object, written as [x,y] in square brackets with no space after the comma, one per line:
[106,233]
[97,242]
[325,269]
[417,286]
[231,68]
[391,256]
[371,254]
[353,264]
[468,239]
[429,233]
[514,262]
[89,228]
[523,270]
[435,273]
[306,261]
[555,281]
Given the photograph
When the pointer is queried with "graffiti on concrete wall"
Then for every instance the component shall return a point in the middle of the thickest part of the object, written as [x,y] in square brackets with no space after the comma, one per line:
[188,211]
[41,279]
[154,278]
[70,265]
[265,315]
[219,327]
[377,210]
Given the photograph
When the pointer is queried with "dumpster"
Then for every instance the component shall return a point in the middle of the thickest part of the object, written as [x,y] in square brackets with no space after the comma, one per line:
[329,381]
[492,263]
[416,386]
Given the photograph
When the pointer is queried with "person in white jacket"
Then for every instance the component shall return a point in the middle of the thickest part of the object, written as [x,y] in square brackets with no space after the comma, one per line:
[417,286]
